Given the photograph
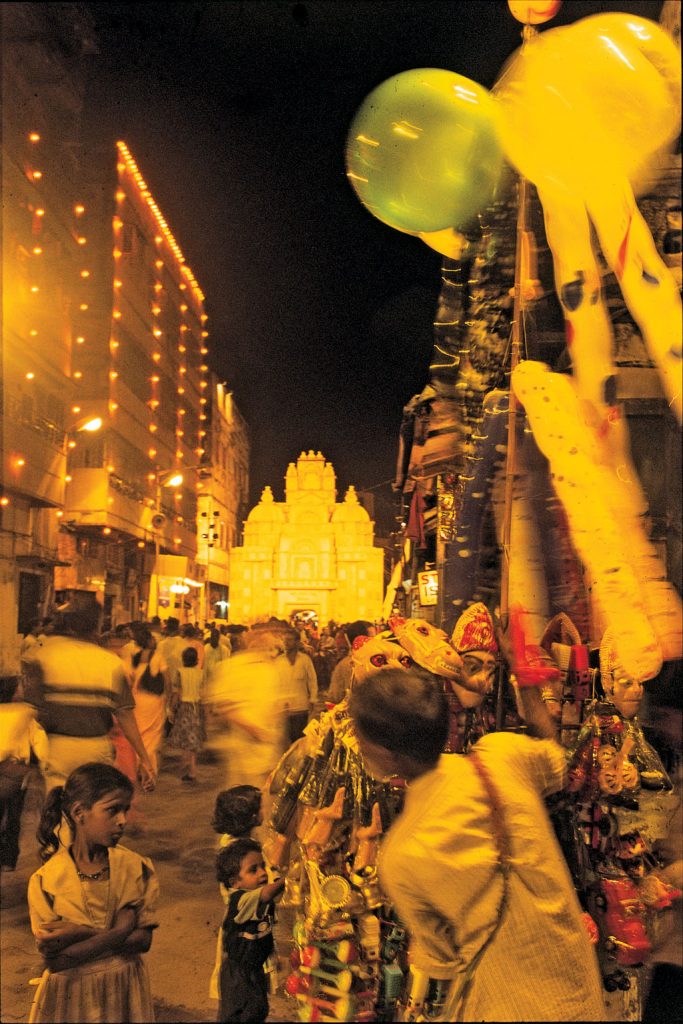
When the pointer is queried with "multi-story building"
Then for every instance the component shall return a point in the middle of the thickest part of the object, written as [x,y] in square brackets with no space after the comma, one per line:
[139,362]
[42,259]
[222,497]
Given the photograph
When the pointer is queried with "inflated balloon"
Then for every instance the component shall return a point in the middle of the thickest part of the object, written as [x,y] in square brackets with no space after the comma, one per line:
[423,153]
[534,12]
[602,93]
[448,242]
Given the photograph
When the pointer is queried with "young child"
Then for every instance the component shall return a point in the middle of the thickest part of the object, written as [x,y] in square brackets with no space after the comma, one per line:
[92,905]
[188,728]
[247,931]
[236,814]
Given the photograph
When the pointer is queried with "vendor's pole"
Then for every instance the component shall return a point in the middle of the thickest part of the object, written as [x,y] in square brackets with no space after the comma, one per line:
[522,276]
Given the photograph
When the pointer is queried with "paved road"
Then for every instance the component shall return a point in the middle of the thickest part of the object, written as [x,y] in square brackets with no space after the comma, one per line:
[177,835]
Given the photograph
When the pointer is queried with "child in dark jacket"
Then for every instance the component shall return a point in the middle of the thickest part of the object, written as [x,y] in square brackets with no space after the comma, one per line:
[247,931]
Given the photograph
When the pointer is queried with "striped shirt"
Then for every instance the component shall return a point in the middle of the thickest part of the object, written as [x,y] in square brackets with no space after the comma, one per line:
[439,865]
[77,686]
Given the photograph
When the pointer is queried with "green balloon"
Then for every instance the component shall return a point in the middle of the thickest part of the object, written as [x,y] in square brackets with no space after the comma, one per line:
[423,151]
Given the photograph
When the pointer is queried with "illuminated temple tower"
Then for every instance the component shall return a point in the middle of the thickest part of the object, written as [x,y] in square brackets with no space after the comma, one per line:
[308,553]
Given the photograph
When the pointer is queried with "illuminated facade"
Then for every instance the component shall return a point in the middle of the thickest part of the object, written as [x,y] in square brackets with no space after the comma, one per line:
[42,98]
[308,553]
[223,493]
[140,361]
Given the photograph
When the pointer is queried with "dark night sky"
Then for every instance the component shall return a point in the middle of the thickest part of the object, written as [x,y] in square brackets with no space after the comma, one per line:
[237,114]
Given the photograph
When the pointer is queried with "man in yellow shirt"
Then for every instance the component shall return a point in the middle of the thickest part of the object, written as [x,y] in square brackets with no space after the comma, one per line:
[472,864]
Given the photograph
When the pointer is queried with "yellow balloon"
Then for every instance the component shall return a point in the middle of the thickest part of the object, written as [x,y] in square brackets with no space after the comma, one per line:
[448,242]
[534,12]
[602,94]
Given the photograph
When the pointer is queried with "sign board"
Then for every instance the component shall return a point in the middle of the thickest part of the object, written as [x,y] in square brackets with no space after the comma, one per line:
[428,583]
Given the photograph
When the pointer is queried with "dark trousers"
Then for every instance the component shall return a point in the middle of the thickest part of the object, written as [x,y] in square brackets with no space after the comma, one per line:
[663,1002]
[244,994]
[296,723]
[10,826]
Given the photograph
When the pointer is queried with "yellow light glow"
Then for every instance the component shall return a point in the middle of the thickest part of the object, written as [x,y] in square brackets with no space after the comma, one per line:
[81,239]
[203,318]
[156,356]
[79,209]
[84,307]
[203,384]
[19,461]
[182,348]
[113,406]
[182,369]
[30,376]
[4,500]
[158,264]
[205,334]
[37,250]
[106,530]
[40,212]
[203,368]
[204,351]
[119,195]
[178,454]
[156,310]
[92,424]
[35,289]
[59,513]
[182,286]
[153,428]
[158,286]
[199,451]
[116,315]
[33,333]
[175,481]
[78,375]
[75,408]
[152,452]
[151,476]
[117,283]
[155,379]
[113,344]
[202,416]
[80,339]
[153,403]
[36,175]
[183,308]
[184,327]
[117,253]
[68,478]
[181,412]
[110,469]
[113,374]
[180,391]
[85,273]
[141,543]
[157,332]
[176,540]
[34,137]
[202,401]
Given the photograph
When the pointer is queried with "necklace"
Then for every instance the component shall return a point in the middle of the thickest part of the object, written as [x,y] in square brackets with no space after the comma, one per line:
[93,878]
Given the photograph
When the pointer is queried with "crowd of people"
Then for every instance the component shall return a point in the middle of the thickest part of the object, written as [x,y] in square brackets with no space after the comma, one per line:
[92,712]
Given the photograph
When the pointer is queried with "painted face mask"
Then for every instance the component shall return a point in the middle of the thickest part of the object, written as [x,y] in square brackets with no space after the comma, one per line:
[371,654]
[428,646]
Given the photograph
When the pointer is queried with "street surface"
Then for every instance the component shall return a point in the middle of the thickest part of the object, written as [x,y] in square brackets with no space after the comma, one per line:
[177,835]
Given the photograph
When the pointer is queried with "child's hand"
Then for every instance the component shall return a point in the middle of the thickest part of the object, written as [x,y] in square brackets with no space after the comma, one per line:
[126,921]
